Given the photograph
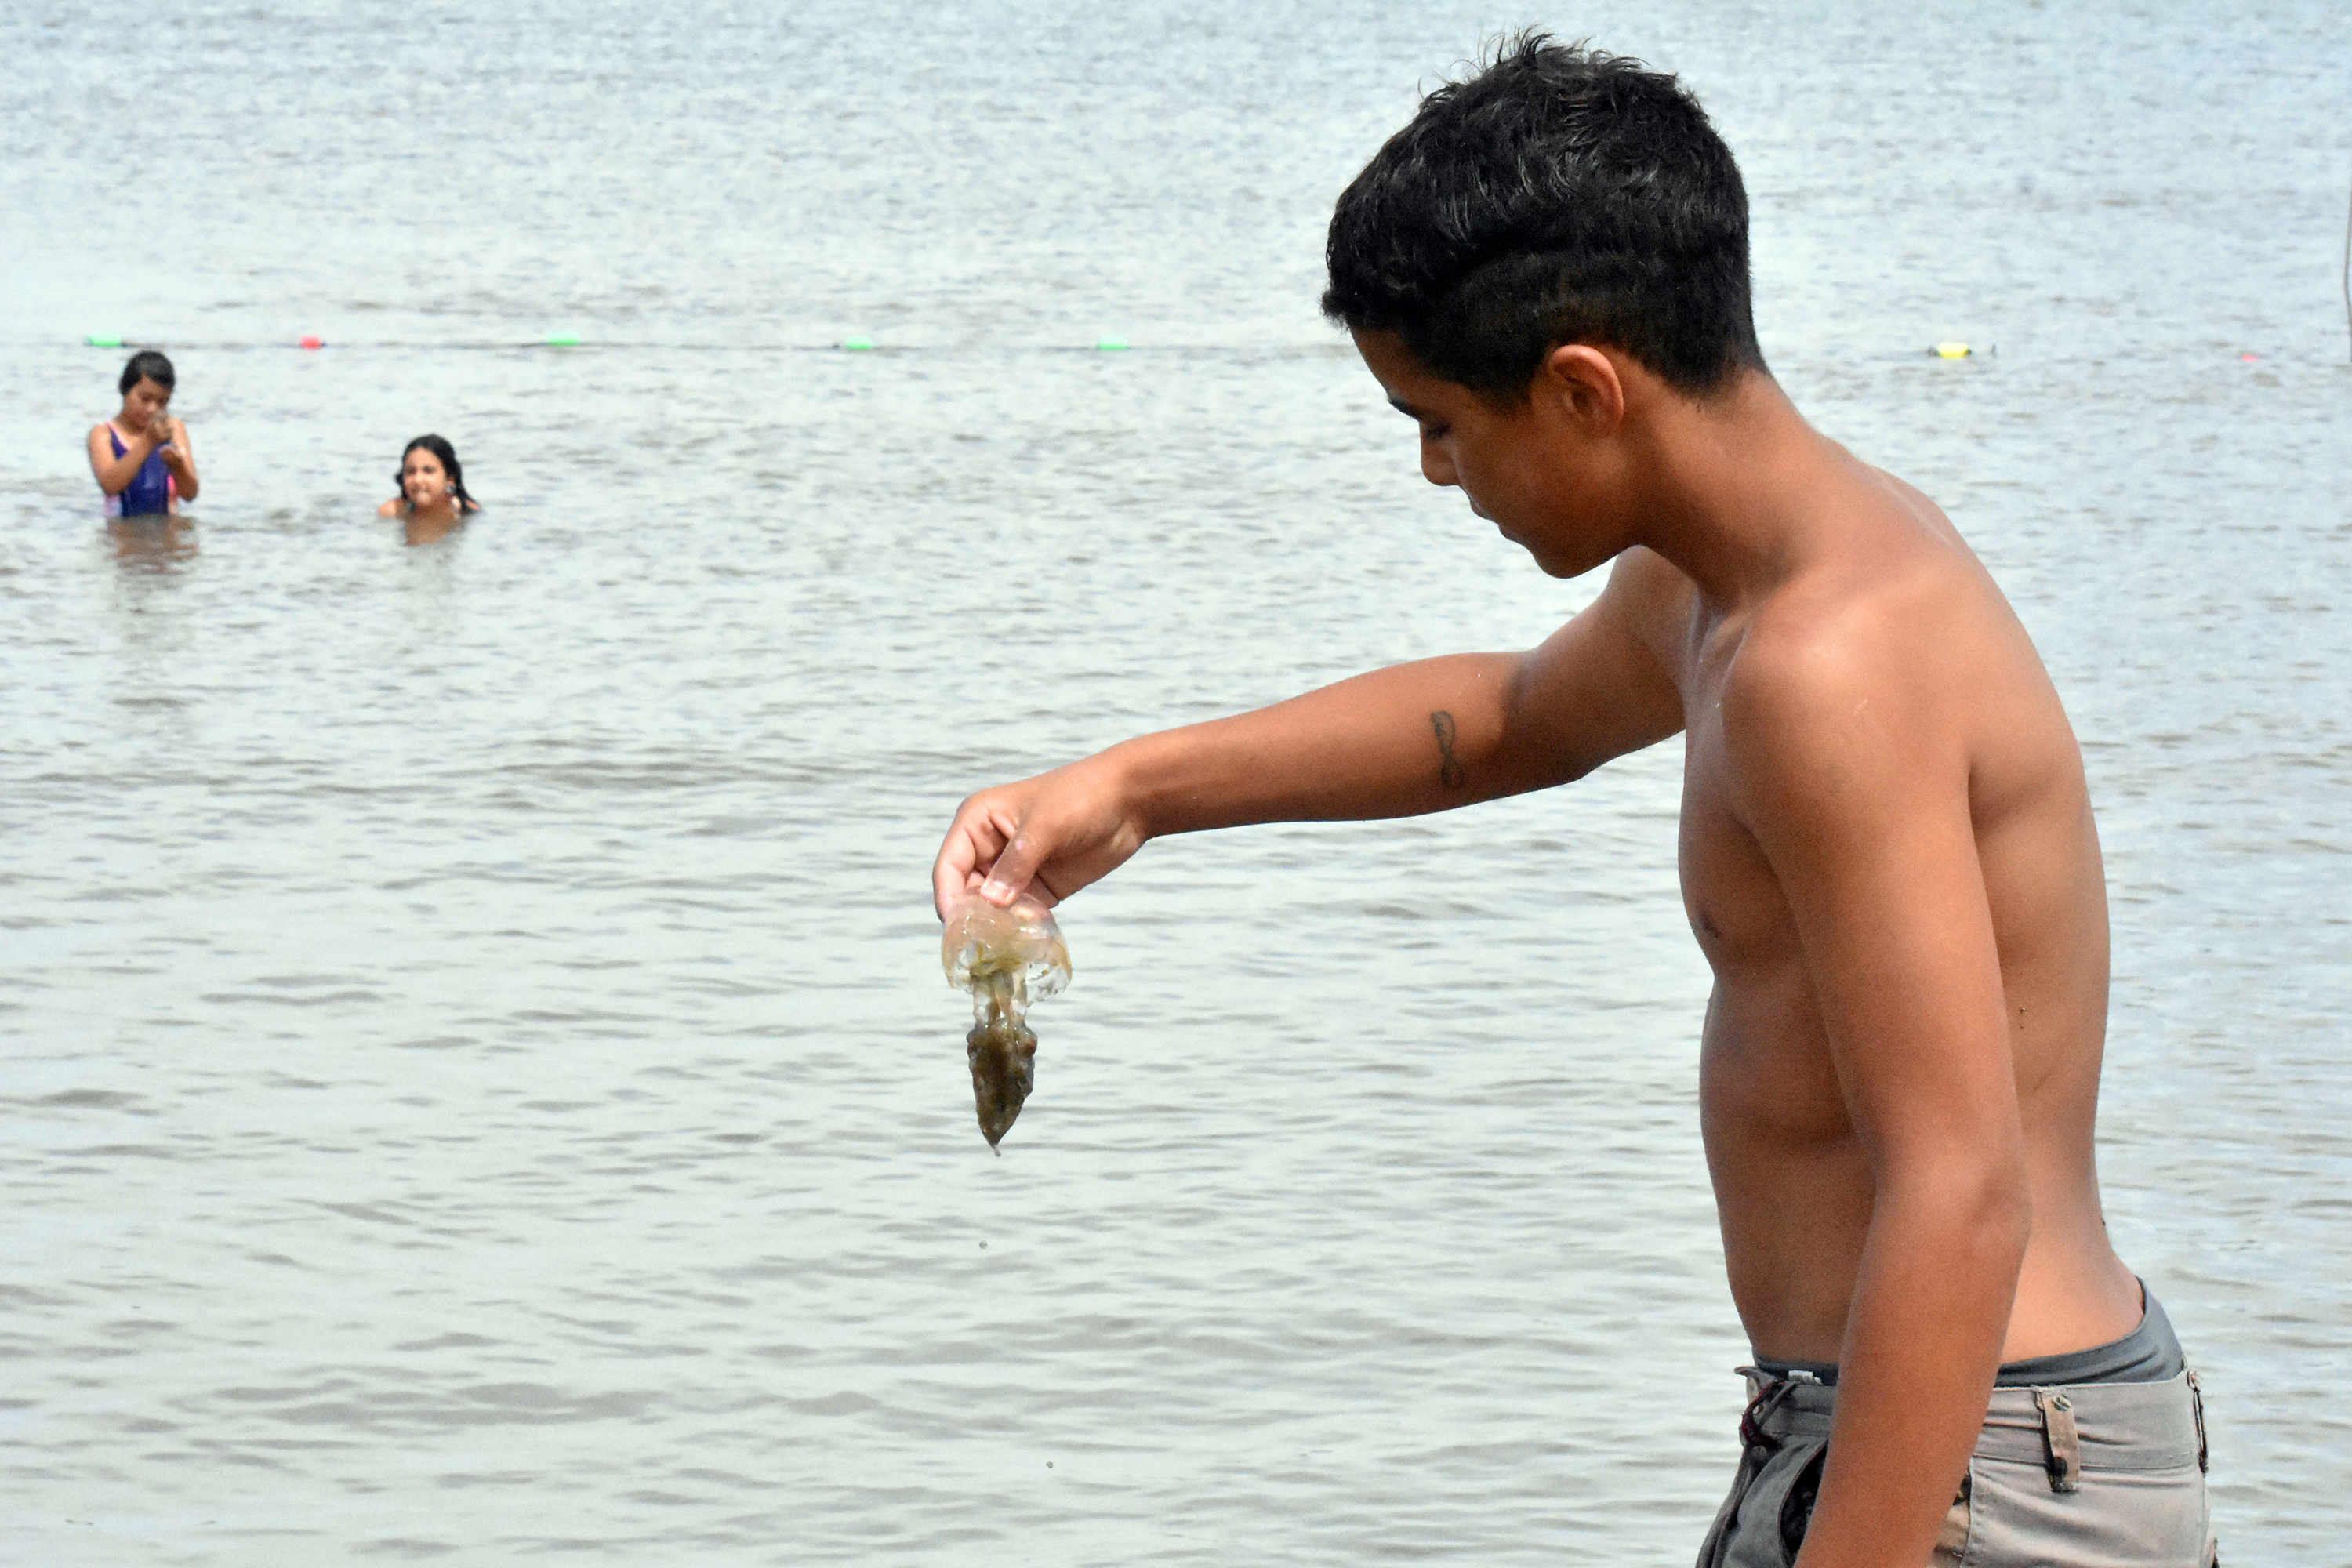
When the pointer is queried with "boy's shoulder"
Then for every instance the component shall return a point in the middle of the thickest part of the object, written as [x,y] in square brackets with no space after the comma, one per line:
[1874,649]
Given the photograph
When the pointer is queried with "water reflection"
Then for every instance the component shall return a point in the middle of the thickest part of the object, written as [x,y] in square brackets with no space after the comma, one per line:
[152,543]
[430,530]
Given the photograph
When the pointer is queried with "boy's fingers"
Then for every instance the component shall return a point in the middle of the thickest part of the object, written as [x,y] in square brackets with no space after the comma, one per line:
[949,883]
[957,870]
[996,847]
[976,844]
[1031,840]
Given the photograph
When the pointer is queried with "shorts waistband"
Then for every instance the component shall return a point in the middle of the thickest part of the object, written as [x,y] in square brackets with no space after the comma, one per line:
[2118,1425]
[2150,1353]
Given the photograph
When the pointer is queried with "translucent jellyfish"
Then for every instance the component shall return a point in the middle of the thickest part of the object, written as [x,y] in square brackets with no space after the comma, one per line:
[1007,958]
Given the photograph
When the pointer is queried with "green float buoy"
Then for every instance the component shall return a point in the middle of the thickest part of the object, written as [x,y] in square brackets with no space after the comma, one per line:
[858,345]
[563,340]
[100,341]
[1110,345]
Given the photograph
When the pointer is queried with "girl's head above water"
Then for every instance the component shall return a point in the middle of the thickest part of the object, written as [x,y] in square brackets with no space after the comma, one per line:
[146,386]
[430,474]
[146,365]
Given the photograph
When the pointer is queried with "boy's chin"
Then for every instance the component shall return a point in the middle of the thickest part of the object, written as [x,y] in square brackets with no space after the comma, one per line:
[1565,571]
[1556,562]
[1553,556]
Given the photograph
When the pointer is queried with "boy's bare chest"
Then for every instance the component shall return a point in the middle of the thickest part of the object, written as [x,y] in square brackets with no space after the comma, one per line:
[1765,1071]
[1730,893]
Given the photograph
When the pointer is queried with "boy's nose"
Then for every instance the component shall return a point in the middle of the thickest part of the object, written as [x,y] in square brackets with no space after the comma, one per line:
[1435,466]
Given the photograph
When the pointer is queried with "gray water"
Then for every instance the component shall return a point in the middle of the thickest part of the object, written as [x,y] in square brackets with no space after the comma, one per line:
[479,1085]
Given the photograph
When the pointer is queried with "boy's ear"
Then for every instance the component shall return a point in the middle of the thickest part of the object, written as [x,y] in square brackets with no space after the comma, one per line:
[1584,379]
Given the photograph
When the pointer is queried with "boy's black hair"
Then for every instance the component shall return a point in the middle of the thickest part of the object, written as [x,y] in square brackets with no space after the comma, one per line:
[1559,196]
[147,365]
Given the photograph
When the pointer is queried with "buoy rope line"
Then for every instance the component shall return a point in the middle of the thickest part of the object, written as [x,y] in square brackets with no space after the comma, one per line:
[846,345]
[574,341]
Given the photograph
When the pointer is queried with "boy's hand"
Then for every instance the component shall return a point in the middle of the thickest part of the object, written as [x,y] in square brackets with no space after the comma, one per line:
[1048,835]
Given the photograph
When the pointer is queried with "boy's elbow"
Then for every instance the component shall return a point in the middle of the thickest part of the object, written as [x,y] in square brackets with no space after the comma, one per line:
[1983,1207]
[1994,1205]
[2005,1214]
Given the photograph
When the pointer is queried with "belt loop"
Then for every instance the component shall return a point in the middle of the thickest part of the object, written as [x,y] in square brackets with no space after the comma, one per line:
[1770,1394]
[2060,1442]
[2197,1406]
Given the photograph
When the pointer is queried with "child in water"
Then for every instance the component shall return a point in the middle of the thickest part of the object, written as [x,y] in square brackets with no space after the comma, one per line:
[432,484]
[141,457]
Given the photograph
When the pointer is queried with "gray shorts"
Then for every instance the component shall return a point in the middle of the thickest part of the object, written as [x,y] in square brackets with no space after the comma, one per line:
[2093,1475]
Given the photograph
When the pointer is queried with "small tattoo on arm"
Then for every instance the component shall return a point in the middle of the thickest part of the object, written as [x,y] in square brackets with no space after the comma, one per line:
[1449,772]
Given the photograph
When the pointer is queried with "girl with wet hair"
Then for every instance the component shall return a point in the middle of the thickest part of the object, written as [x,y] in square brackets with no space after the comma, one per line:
[141,457]
[432,484]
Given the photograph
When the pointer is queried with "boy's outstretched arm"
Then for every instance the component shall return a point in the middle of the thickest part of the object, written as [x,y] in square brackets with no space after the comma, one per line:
[1855,780]
[1415,738]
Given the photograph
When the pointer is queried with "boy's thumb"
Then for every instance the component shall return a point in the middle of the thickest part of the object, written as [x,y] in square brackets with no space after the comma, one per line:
[1009,877]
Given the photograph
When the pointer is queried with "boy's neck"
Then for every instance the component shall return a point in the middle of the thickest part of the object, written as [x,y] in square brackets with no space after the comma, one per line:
[1736,487]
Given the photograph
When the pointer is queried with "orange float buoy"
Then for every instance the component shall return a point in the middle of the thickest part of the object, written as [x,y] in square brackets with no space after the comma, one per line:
[313,341]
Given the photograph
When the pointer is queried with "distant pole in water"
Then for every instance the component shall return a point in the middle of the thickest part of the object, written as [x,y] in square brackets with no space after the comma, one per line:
[2347,282]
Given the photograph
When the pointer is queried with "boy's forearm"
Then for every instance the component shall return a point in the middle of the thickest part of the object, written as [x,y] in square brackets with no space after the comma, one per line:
[1930,1309]
[1416,737]
[1399,742]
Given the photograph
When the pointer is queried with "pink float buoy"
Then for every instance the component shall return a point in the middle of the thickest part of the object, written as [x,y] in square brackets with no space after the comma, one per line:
[313,341]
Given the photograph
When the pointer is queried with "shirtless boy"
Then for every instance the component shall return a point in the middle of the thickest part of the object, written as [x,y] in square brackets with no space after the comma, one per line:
[1887,847]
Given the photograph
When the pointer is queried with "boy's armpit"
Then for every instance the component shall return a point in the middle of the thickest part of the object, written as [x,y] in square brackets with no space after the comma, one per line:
[1603,684]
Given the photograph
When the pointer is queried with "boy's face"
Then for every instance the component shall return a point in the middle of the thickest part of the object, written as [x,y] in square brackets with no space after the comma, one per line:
[1537,471]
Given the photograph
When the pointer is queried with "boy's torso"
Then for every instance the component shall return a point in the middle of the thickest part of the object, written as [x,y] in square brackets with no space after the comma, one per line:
[1793,1185]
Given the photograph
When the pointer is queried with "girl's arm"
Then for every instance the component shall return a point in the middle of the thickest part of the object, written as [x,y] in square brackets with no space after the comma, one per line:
[114,474]
[182,461]
[390,508]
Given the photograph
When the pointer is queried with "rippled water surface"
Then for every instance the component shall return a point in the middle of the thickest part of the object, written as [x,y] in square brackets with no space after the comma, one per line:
[478,1080]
